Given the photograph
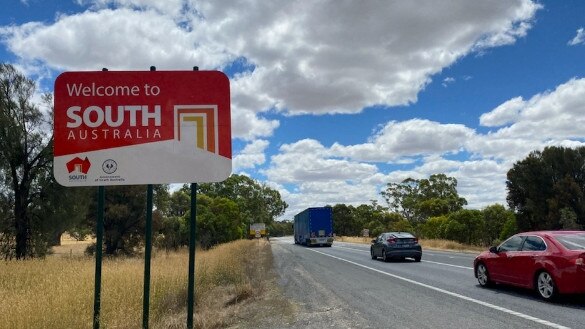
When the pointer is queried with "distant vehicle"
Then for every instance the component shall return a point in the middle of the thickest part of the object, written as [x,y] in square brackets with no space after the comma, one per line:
[314,227]
[551,262]
[257,230]
[398,245]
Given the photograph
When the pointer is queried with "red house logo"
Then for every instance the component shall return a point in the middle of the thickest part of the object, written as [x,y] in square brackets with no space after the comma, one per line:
[78,165]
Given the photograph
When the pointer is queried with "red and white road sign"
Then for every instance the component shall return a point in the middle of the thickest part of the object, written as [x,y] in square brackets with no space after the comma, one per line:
[152,127]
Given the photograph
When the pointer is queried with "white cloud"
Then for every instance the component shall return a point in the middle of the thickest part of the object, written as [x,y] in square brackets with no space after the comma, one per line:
[555,115]
[120,39]
[399,140]
[247,125]
[252,155]
[578,39]
[308,160]
[301,65]
[321,179]
[504,114]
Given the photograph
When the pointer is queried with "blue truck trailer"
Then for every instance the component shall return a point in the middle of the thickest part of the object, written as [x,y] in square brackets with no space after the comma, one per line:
[314,227]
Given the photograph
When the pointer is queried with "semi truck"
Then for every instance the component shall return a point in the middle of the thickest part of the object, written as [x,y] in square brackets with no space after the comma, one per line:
[257,230]
[314,227]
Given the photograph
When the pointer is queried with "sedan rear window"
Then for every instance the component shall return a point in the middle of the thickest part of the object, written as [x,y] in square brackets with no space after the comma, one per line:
[572,241]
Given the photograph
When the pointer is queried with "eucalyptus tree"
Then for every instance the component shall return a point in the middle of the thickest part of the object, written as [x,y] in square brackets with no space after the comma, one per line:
[25,158]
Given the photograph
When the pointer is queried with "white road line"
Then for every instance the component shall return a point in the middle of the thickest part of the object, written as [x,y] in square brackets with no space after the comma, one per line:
[445,264]
[473,300]
[426,261]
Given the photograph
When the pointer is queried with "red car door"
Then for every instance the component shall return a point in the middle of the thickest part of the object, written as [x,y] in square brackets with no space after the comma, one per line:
[503,266]
[524,261]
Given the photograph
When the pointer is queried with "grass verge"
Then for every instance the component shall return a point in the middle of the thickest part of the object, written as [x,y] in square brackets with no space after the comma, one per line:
[233,283]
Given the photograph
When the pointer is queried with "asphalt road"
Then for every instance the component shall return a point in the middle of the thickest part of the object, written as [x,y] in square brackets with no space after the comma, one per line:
[342,287]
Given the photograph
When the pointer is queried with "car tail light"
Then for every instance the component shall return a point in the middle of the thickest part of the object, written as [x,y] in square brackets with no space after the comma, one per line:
[391,240]
[415,240]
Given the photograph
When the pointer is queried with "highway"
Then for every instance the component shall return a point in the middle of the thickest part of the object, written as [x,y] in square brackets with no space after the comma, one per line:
[342,286]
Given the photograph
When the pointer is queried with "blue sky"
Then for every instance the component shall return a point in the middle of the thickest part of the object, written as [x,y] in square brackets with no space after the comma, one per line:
[332,100]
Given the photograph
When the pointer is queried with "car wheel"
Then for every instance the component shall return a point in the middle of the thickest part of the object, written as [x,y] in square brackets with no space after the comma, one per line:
[384,256]
[483,276]
[545,286]
[372,253]
[417,259]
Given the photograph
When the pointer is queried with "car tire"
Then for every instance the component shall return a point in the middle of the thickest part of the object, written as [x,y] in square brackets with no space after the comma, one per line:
[545,286]
[384,256]
[417,259]
[372,253]
[483,276]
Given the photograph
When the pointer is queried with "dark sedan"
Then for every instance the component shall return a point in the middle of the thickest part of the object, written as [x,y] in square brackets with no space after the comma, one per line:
[551,262]
[398,245]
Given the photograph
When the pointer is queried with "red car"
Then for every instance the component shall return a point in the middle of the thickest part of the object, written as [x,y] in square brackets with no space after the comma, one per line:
[551,262]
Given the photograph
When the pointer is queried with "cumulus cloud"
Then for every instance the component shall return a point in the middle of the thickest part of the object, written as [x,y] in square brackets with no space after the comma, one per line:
[578,39]
[308,160]
[556,114]
[504,114]
[249,126]
[301,65]
[399,140]
[119,39]
[251,156]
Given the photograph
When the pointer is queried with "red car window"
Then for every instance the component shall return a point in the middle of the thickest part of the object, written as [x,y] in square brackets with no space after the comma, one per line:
[533,243]
[512,244]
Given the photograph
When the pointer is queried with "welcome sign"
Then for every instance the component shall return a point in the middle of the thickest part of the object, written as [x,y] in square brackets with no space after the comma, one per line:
[154,127]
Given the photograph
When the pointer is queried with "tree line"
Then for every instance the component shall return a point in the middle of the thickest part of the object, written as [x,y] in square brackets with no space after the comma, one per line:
[545,191]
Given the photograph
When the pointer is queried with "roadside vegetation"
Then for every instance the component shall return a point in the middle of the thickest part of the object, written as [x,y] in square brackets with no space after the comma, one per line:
[234,285]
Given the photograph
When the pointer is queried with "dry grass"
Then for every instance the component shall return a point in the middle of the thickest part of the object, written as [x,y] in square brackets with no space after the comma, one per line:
[425,243]
[57,292]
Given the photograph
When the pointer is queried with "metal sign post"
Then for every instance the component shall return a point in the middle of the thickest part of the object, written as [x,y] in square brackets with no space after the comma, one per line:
[191,279]
[147,256]
[98,257]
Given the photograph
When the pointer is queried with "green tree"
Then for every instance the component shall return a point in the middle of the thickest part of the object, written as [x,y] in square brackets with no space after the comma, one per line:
[495,217]
[25,156]
[510,228]
[433,228]
[125,217]
[344,220]
[281,228]
[218,221]
[465,226]
[418,200]
[401,226]
[257,203]
[545,183]
[180,201]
